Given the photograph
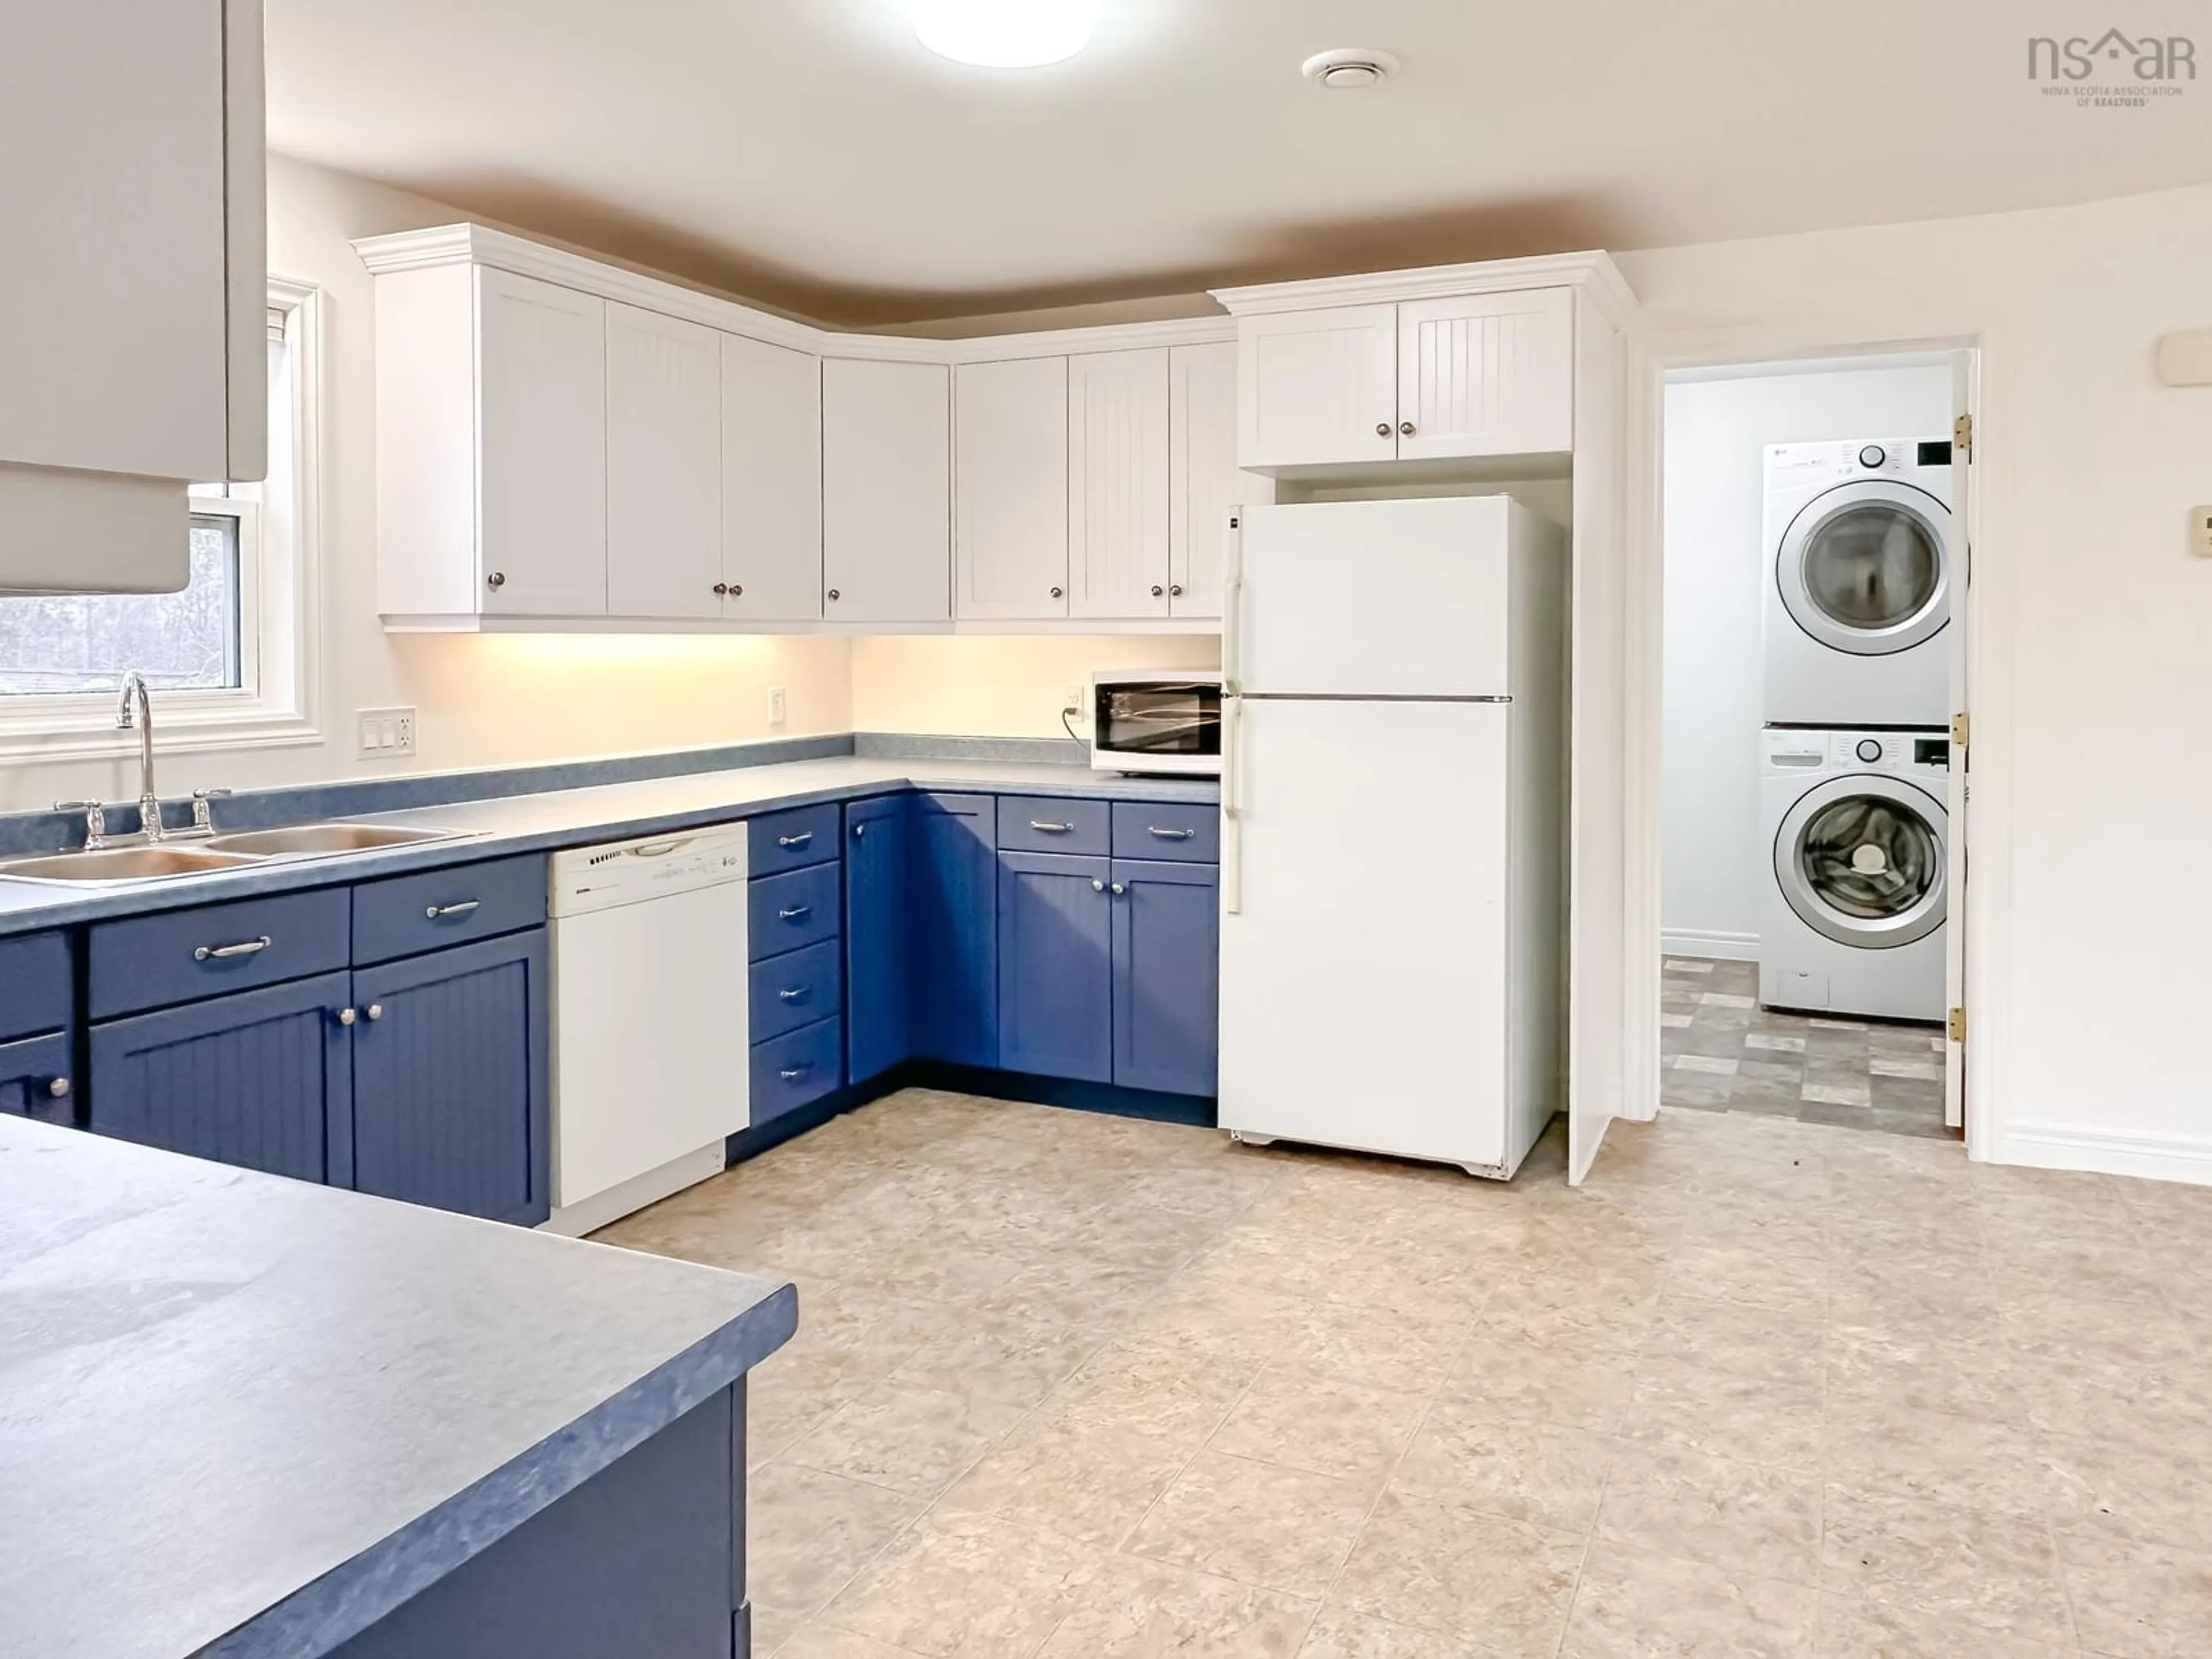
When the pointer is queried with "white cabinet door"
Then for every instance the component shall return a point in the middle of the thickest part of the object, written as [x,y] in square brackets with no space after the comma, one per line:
[886,466]
[771,481]
[1317,386]
[1203,481]
[1009,489]
[1487,375]
[664,466]
[1117,483]
[541,447]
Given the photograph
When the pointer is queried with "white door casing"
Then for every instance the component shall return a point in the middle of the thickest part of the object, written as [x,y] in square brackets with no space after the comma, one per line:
[1965,386]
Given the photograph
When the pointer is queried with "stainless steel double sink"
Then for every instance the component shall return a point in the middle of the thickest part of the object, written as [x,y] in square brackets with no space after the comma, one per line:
[232,850]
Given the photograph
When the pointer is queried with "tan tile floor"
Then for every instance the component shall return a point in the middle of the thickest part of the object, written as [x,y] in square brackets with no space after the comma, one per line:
[1073,1386]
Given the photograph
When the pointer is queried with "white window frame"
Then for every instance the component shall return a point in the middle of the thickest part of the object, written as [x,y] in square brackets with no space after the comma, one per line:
[274,704]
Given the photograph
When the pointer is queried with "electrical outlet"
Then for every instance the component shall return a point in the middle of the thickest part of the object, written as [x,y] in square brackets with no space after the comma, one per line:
[384,734]
[1072,700]
[2200,532]
[776,706]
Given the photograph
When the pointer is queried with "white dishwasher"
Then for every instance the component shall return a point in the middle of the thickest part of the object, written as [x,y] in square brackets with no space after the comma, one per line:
[650,1011]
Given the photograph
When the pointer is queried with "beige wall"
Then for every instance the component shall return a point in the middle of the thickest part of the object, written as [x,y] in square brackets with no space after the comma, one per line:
[997,688]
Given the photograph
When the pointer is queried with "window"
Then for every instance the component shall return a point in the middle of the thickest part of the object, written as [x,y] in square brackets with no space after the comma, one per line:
[225,658]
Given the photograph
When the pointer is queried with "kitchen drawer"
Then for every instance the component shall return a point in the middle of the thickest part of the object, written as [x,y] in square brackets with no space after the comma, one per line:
[36,991]
[788,841]
[1037,823]
[182,956]
[796,908]
[1183,832]
[796,989]
[36,1080]
[797,1068]
[405,916]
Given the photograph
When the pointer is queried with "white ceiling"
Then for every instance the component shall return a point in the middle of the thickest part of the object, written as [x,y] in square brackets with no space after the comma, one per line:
[810,154]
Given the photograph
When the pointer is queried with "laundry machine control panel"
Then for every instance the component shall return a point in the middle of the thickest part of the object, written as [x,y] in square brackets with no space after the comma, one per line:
[1785,750]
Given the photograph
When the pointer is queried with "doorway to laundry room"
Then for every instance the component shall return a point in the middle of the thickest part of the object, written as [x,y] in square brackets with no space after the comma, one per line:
[1814,560]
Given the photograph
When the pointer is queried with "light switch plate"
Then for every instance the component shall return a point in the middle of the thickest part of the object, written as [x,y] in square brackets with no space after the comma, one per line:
[384,734]
[2200,531]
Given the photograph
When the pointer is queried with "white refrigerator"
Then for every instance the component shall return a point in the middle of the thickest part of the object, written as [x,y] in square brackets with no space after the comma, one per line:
[1394,825]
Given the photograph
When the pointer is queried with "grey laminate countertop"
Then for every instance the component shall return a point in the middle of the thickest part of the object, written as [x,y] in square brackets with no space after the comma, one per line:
[570,818]
[246,1416]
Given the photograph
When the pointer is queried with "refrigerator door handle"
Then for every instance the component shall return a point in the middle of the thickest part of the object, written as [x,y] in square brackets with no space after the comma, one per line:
[1232,603]
[1232,822]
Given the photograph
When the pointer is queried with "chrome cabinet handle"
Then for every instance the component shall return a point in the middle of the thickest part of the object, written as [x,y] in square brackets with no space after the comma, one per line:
[860,830]
[58,1088]
[835,595]
[459,908]
[1169,835]
[497,580]
[1174,589]
[1381,429]
[721,588]
[375,1011]
[1057,593]
[737,590]
[799,839]
[794,912]
[1404,428]
[792,1074]
[1158,590]
[1118,889]
[224,952]
[796,993]
[1050,829]
[346,1016]
[1097,885]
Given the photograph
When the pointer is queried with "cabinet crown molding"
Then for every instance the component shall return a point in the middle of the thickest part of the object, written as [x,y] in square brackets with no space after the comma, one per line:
[1591,270]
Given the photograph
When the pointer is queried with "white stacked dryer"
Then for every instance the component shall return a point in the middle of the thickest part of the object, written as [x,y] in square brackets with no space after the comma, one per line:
[1859,541]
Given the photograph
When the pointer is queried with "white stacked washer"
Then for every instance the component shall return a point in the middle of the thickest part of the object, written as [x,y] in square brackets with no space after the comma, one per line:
[1859,543]
[1859,846]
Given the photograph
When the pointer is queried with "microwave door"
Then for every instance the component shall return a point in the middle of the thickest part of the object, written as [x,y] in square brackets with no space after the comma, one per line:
[1154,722]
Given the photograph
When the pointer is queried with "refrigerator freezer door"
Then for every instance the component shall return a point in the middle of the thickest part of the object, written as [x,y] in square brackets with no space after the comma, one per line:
[1362,987]
[1372,599]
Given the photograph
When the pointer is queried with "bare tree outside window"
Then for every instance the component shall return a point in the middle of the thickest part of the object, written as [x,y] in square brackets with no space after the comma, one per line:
[186,641]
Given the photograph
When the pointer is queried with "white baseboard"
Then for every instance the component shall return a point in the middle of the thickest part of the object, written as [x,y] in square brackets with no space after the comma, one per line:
[2107,1151]
[1726,947]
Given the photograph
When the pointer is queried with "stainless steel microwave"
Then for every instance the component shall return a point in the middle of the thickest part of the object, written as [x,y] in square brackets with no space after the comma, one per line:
[1150,720]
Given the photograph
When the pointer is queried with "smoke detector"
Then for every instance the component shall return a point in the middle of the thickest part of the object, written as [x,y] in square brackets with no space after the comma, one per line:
[1347,68]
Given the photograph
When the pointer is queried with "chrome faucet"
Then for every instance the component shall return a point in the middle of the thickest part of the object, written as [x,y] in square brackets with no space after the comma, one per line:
[136,708]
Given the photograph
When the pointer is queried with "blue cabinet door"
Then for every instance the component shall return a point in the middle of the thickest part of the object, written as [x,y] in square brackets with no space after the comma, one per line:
[450,1059]
[257,1078]
[1055,966]
[879,929]
[954,961]
[36,1080]
[1167,975]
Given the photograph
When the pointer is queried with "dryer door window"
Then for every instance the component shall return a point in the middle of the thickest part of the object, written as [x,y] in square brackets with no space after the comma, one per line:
[1862,569]
[1861,859]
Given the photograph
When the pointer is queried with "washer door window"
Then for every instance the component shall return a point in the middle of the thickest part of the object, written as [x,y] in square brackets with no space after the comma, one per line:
[1861,859]
[1862,568]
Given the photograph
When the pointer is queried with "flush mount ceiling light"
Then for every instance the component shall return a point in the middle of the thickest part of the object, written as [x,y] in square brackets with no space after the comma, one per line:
[1005,34]
[1347,68]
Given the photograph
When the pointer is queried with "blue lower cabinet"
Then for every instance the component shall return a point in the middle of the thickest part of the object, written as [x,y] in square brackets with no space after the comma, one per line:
[953,967]
[1055,966]
[796,1069]
[1167,975]
[261,1080]
[877,862]
[36,1079]
[791,910]
[38,984]
[450,1064]
[796,988]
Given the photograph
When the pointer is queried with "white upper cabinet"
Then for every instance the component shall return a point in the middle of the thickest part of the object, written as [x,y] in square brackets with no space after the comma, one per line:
[1487,375]
[1318,387]
[1466,376]
[664,466]
[886,463]
[542,433]
[1118,484]
[1010,462]
[1204,482]
[771,481]
[133,299]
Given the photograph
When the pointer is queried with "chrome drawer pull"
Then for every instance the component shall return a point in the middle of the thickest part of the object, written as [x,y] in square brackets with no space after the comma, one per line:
[439,912]
[225,952]
[792,1074]
[796,993]
[1050,829]
[799,839]
[1169,835]
[58,1088]
[795,913]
